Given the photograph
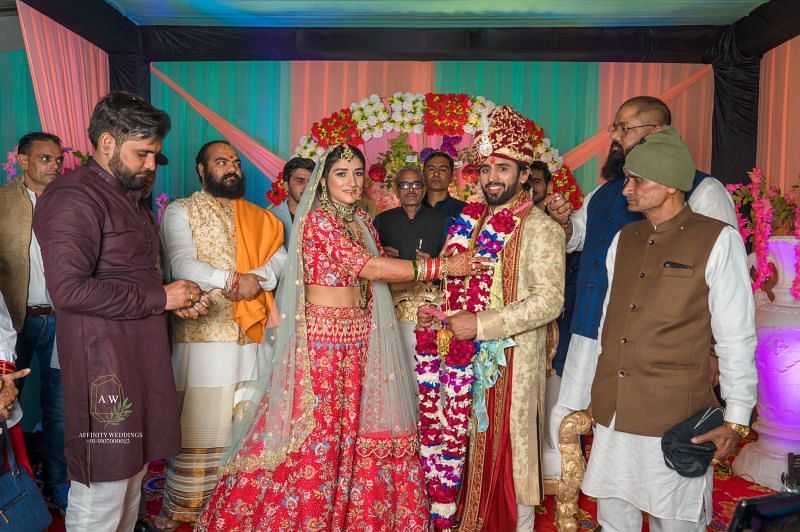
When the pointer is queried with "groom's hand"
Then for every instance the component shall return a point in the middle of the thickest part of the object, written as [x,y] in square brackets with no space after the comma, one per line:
[464,325]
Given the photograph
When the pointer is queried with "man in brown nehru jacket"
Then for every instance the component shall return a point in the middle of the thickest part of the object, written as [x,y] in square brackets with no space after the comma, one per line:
[675,279]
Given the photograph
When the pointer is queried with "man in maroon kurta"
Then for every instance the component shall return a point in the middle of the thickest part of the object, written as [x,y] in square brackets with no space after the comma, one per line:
[101,260]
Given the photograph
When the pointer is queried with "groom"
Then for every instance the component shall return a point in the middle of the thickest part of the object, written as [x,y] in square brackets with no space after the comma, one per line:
[502,482]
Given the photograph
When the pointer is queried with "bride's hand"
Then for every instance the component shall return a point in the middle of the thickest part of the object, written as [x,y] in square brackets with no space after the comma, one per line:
[468,263]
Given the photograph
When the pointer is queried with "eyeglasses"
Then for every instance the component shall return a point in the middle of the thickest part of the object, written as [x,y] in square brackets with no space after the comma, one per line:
[622,128]
[416,185]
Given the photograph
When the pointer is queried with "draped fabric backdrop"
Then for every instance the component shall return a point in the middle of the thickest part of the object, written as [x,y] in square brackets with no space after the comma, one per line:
[560,97]
[69,75]
[778,152]
[254,96]
[18,111]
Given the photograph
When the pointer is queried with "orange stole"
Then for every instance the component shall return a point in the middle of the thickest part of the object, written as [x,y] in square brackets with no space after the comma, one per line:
[487,501]
[259,234]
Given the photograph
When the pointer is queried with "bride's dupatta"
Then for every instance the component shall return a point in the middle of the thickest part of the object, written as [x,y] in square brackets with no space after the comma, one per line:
[275,414]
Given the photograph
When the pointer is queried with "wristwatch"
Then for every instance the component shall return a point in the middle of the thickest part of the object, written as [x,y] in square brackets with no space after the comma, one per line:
[741,430]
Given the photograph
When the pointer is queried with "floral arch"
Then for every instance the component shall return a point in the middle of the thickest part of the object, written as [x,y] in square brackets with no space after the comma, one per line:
[405,127]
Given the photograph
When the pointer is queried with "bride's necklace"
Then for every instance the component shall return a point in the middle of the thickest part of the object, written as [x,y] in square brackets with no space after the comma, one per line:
[347,214]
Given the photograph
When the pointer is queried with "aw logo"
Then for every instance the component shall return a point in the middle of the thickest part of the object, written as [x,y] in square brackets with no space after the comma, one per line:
[109,404]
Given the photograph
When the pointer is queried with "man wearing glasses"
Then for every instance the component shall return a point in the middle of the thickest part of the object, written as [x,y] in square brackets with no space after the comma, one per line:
[413,230]
[591,230]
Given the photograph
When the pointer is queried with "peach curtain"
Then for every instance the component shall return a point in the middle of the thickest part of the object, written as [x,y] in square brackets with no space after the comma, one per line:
[687,89]
[778,152]
[323,87]
[69,75]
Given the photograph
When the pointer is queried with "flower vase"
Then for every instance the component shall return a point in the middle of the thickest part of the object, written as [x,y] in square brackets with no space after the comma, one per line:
[778,365]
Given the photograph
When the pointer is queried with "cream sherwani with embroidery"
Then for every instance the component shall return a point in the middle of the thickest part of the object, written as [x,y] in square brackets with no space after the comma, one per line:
[539,297]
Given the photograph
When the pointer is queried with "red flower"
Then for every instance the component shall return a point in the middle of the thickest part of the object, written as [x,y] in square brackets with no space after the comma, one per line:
[277,193]
[474,210]
[503,221]
[336,129]
[470,174]
[377,173]
[426,341]
[446,113]
[564,183]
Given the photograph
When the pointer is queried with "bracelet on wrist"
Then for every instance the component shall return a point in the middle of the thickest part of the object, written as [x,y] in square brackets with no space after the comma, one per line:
[415,266]
[741,430]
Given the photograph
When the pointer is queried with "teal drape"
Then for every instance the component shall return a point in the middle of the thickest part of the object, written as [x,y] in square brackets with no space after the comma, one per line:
[560,97]
[252,95]
[18,108]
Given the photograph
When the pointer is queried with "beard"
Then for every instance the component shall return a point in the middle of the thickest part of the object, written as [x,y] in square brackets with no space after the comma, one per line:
[612,169]
[503,197]
[130,180]
[221,189]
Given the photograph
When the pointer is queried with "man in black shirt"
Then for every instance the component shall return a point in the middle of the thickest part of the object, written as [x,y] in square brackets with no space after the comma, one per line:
[438,169]
[413,230]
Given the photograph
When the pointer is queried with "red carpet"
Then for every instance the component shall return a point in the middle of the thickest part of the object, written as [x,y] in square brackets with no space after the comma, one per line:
[728,490]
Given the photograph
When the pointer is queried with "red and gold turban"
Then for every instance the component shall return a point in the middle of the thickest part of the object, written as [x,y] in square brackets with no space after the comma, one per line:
[508,137]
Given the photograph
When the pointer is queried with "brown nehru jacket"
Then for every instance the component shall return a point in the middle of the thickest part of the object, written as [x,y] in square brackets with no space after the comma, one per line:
[653,369]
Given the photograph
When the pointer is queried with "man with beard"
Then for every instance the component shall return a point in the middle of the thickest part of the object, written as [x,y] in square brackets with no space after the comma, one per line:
[502,482]
[591,229]
[540,183]
[296,173]
[233,250]
[100,251]
[22,282]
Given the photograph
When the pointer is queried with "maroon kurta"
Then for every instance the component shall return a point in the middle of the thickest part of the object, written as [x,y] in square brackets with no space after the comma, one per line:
[101,252]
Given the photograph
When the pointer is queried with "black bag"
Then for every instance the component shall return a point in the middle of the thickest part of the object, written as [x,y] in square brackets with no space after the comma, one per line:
[22,507]
[686,458]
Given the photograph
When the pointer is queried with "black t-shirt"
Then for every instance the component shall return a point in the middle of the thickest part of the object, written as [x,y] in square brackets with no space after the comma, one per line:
[398,231]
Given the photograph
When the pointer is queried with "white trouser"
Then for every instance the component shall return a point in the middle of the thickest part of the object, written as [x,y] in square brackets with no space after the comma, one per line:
[526,516]
[104,506]
[618,515]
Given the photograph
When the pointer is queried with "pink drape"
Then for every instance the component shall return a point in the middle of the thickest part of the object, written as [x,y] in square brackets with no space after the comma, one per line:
[263,159]
[687,89]
[778,152]
[69,75]
[323,87]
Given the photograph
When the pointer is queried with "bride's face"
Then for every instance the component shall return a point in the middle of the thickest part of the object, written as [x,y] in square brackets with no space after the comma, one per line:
[346,181]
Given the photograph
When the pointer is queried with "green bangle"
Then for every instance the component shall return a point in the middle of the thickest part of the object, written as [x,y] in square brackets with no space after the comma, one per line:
[416,269]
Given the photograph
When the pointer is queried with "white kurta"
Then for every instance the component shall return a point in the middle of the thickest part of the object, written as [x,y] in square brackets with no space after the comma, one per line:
[631,467]
[8,353]
[208,364]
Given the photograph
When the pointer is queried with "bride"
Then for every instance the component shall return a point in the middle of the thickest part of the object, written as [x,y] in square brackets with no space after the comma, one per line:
[329,441]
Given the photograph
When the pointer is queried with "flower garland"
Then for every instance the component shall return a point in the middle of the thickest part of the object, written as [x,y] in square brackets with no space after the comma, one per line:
[336,129]
[769,210]
[371,117]
[407,112]
[454,116]
[443,428]
[447,113]
[795,289]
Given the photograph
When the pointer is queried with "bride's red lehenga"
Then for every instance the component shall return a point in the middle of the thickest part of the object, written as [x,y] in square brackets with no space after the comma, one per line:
[337,479]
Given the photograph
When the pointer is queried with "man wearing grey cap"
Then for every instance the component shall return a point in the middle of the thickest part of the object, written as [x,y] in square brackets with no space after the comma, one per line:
[676,278]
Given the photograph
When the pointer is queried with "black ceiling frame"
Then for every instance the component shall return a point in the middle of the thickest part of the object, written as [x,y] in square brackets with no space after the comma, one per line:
[734,51]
